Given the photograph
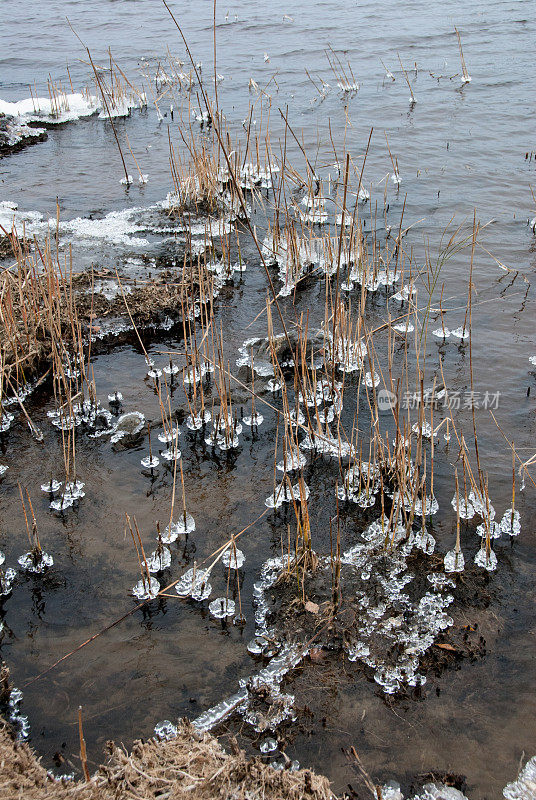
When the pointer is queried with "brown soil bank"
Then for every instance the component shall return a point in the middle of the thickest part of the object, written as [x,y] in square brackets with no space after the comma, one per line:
[192,766]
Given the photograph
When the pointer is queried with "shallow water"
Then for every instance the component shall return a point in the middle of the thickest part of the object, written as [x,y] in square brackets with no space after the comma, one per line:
[458,149]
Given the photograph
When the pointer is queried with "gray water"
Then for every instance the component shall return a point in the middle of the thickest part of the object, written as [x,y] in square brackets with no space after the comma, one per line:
[459,149]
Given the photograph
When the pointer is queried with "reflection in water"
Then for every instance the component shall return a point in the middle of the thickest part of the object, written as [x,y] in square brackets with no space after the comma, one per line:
[171,658]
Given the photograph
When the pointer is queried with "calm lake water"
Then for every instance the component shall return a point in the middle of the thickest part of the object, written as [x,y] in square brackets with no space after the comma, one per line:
[460,150]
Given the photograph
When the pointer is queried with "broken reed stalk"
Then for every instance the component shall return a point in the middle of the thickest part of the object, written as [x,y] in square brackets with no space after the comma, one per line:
[83,754]
[465,74]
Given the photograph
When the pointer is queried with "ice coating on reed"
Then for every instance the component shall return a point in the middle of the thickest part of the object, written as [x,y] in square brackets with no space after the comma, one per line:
[222,607]
[146,588]
[36,561]
[233,558]
[194,583]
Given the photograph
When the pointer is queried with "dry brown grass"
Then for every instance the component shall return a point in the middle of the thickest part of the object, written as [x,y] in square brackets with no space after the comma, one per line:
[192,766]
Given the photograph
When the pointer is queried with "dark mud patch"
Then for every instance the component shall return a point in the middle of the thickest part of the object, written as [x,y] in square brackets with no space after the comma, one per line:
[304,612]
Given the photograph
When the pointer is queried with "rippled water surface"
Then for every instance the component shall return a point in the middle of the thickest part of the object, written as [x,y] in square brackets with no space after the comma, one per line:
[460,150]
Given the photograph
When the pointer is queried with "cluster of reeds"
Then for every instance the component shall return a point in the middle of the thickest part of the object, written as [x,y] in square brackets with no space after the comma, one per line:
[39,321]
[356,270]
[117,94]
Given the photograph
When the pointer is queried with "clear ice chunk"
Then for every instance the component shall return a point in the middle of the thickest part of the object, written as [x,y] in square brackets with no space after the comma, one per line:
[511,522]
[150,462]
[221,607]
[159,560]
[146,589]
[165,730]
[486,560]
[253,421]
[36,561]
[524,788]
[494,528]
[454,561]
[268,745]
[51,487]
[6,580]
[233,558]
[194,584]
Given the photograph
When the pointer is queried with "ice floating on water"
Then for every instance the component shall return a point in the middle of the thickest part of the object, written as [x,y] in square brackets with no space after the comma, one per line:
[146,589]
[292,461]
[372,379]
[150,462]
[391,790]
[227,441]
[74,490]
[253,421]
[159,560]
[5,421]
[171,533]
[346,86]
[467,510]
[40,109]
[19,721]
[62,504]
[454,561]
[460,333]
[127,180]
[168,436]
[404,327]
[440,581]
[194,584]
[425,541]
[203,118]
[438,791]
[7,578]
[36,561]
[494,529]
[196,422]
[165,730]
[483,508]
[511,522]
[441,333]
[268,745]
[115,399]
[3,469]
[486,559]
[171,454]
[233,558]
[256,646]
[268,680]
[14,132]
[222,607]
[184,524]
[358,651]
[282,494]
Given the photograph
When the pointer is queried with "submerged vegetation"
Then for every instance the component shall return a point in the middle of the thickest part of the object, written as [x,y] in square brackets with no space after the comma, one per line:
[344,382]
